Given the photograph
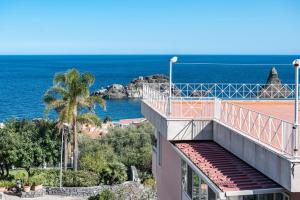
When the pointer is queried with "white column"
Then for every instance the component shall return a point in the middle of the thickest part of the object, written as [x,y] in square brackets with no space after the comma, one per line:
[296,64]
[170,87]
[61,156]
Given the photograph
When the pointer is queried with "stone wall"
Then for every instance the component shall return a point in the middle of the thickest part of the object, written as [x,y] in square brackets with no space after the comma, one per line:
[74,191]
[33,194]
[127,189]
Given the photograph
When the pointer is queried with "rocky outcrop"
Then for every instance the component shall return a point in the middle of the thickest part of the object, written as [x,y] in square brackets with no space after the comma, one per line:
[273,87]
[134,89]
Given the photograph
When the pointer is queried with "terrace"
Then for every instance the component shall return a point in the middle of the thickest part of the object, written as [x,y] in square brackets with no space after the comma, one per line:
[262,113]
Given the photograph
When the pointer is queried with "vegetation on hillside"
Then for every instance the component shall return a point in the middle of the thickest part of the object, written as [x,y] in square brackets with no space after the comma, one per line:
[30,145]
[129,146]
[27,146]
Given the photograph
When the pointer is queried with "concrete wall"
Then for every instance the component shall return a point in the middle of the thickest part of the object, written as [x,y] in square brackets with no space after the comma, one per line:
[174,129]
[168,175]
[154,163]
[268,162]
[190,130]
[158,121]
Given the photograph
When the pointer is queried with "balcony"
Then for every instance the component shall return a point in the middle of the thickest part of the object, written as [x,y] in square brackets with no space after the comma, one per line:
[261,113]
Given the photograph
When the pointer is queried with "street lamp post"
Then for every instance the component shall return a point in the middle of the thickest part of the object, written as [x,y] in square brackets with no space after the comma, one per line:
[296,64]
[61,157]
[61,152]
[172,61]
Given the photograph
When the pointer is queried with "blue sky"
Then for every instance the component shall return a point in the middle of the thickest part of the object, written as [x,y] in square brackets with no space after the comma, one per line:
[149,27]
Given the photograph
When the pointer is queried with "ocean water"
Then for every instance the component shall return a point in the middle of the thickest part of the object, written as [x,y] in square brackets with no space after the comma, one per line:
[24,79]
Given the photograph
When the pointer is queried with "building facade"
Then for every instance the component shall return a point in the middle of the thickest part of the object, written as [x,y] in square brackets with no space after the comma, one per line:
[224,141]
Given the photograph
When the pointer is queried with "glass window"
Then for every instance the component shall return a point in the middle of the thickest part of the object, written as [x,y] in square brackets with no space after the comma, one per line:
[282,196]
[204,190]
[193,186]
[211,194]
[196,186]
[189,181]
[184,175]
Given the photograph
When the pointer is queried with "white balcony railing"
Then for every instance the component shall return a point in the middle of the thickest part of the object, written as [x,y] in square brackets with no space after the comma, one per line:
[154,95]
[274,132]
[234,90]
[187,102]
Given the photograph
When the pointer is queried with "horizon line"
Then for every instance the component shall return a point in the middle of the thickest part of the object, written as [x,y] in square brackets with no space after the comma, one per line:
[138,54]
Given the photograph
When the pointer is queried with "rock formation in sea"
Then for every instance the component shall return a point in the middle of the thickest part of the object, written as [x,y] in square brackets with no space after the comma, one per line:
[133,90]
[273,87]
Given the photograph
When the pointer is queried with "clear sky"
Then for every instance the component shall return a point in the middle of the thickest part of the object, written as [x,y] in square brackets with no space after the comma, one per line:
[149,26]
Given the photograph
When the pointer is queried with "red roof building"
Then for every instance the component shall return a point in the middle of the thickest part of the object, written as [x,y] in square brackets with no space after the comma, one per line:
[224,141]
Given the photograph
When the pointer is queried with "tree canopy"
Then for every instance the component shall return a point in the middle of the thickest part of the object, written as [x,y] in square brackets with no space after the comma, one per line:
[26,143]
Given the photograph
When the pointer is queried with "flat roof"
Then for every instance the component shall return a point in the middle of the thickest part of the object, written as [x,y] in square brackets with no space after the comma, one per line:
[225,170]
[281,109]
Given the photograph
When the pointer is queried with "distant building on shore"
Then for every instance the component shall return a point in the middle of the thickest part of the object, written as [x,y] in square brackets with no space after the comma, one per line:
[124,123]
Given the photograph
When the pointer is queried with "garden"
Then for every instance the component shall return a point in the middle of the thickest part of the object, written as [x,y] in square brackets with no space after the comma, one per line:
[54,153]
[30,156]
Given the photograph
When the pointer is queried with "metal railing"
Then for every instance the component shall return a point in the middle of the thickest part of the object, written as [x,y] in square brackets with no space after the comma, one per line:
[154,95]
[234,90]
[185,104]
[265,129]
[157,96]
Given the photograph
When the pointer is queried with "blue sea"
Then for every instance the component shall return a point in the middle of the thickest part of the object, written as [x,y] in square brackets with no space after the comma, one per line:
[24,79]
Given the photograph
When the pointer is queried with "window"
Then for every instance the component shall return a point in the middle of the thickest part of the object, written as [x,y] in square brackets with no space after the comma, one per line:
[184,175]
[204,190]
[196,187]
[189,181]
[193,186]
[211,194]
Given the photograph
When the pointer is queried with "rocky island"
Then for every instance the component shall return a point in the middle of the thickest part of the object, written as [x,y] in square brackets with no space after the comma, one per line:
[133,90]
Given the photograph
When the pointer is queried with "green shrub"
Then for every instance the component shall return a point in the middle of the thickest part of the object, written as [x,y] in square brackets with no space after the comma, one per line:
[149,182]
[105,164]
[94,162]
[114,173]
[37,180]
[21,175]
[79,179]
[7,184]
[145,175]
[132,145]
[104,195]
[50,177]
[107,195]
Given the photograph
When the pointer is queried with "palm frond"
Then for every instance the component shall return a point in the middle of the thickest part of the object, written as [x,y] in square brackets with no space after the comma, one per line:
[89,118]
[59,78]
[88,78]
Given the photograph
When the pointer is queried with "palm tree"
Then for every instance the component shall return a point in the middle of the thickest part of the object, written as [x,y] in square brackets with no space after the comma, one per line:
[70,98]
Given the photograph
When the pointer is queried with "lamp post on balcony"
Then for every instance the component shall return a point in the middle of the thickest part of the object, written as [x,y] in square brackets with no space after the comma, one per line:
[296,64]
[172,61]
